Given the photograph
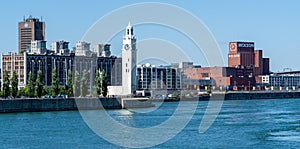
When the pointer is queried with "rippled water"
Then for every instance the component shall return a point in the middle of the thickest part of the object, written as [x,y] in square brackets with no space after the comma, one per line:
[246,123]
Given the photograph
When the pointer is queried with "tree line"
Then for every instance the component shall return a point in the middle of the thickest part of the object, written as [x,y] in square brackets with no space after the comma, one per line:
[76,87]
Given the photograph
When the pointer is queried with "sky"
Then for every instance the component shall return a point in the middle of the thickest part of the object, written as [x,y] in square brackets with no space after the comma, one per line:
[272,25]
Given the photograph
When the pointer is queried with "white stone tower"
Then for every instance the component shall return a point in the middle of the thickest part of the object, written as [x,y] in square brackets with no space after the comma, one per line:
[129,61]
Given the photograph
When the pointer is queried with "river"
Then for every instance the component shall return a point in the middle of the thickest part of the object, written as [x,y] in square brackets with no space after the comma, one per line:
[272,123]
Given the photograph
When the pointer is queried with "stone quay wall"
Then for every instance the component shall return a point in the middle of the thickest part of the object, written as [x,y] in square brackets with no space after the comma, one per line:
[57,104]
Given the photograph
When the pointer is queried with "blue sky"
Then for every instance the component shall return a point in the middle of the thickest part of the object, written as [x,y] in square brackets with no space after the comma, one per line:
[273,25]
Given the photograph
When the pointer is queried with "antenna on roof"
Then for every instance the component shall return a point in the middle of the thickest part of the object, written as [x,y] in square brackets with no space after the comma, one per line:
[24,18]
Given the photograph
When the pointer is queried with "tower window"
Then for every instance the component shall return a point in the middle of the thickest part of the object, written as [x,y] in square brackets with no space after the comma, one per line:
[127,31]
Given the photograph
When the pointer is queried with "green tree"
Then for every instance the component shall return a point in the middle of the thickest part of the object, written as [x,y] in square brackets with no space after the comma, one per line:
[6,90]
[22,52]
[46,90]
[77,84]
[39,84]
[54,85]
[62,90]
[14,84]
[98,83]
[30,86]
[22,92]
[69,86]
[104,84]
[84,81]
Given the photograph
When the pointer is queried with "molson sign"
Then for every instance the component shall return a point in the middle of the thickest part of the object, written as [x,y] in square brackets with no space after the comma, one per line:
[246,45]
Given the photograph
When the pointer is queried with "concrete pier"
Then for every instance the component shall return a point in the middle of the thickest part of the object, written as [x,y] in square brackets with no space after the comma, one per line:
[136,103]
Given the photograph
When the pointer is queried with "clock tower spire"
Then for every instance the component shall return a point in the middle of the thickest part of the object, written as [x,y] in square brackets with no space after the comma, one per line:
[129,61]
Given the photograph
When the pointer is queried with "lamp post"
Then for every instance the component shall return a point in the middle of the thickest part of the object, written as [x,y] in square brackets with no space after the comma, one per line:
[91,78]
[66,73]
[39,64]
[235,84]
[32,66]
[220,85]
[249,85]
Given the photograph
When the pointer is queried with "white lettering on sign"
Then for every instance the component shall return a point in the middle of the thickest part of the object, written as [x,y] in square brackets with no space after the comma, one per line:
[246,45]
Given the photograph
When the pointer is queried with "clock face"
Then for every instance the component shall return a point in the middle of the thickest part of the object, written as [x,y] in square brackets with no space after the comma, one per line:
[25,25]
[126,46]
[232,47]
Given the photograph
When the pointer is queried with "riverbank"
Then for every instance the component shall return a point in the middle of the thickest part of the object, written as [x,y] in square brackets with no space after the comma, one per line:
[245,95]
[61,104]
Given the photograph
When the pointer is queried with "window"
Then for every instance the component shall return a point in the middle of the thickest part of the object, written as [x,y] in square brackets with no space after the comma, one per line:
[204,75]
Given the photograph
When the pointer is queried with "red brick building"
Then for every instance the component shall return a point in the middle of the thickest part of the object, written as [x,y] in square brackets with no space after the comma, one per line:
[243,55]
[266,66]
[244,65]
[222,76]
[258,60]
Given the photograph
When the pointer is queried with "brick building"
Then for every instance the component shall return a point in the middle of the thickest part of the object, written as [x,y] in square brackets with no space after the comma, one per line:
[266,66]
[222,76]
[244,66]
[243,55]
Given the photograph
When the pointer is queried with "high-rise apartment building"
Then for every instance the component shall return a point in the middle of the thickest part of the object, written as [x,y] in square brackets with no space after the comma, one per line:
[60,47]
[30,29]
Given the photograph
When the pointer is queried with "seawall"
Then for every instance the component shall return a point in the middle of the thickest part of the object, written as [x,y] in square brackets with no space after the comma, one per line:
[259,95]
[237,96]
[58,104]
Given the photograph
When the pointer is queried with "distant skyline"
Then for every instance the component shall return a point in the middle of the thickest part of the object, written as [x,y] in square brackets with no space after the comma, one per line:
[272,25]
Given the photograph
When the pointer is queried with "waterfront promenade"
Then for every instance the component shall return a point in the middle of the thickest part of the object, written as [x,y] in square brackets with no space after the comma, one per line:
[237,95]
[66,104]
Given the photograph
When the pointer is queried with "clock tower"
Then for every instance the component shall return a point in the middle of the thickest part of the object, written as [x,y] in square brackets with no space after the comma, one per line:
[129,61]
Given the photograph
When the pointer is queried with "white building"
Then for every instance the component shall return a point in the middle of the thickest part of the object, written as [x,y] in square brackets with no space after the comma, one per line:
[102,50]
[129,63]
[265,79]
[60,47]
[82,49]
[151,77]
[282,79]
[37,47]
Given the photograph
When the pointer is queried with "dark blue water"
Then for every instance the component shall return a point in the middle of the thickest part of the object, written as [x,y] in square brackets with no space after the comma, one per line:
[246,123]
